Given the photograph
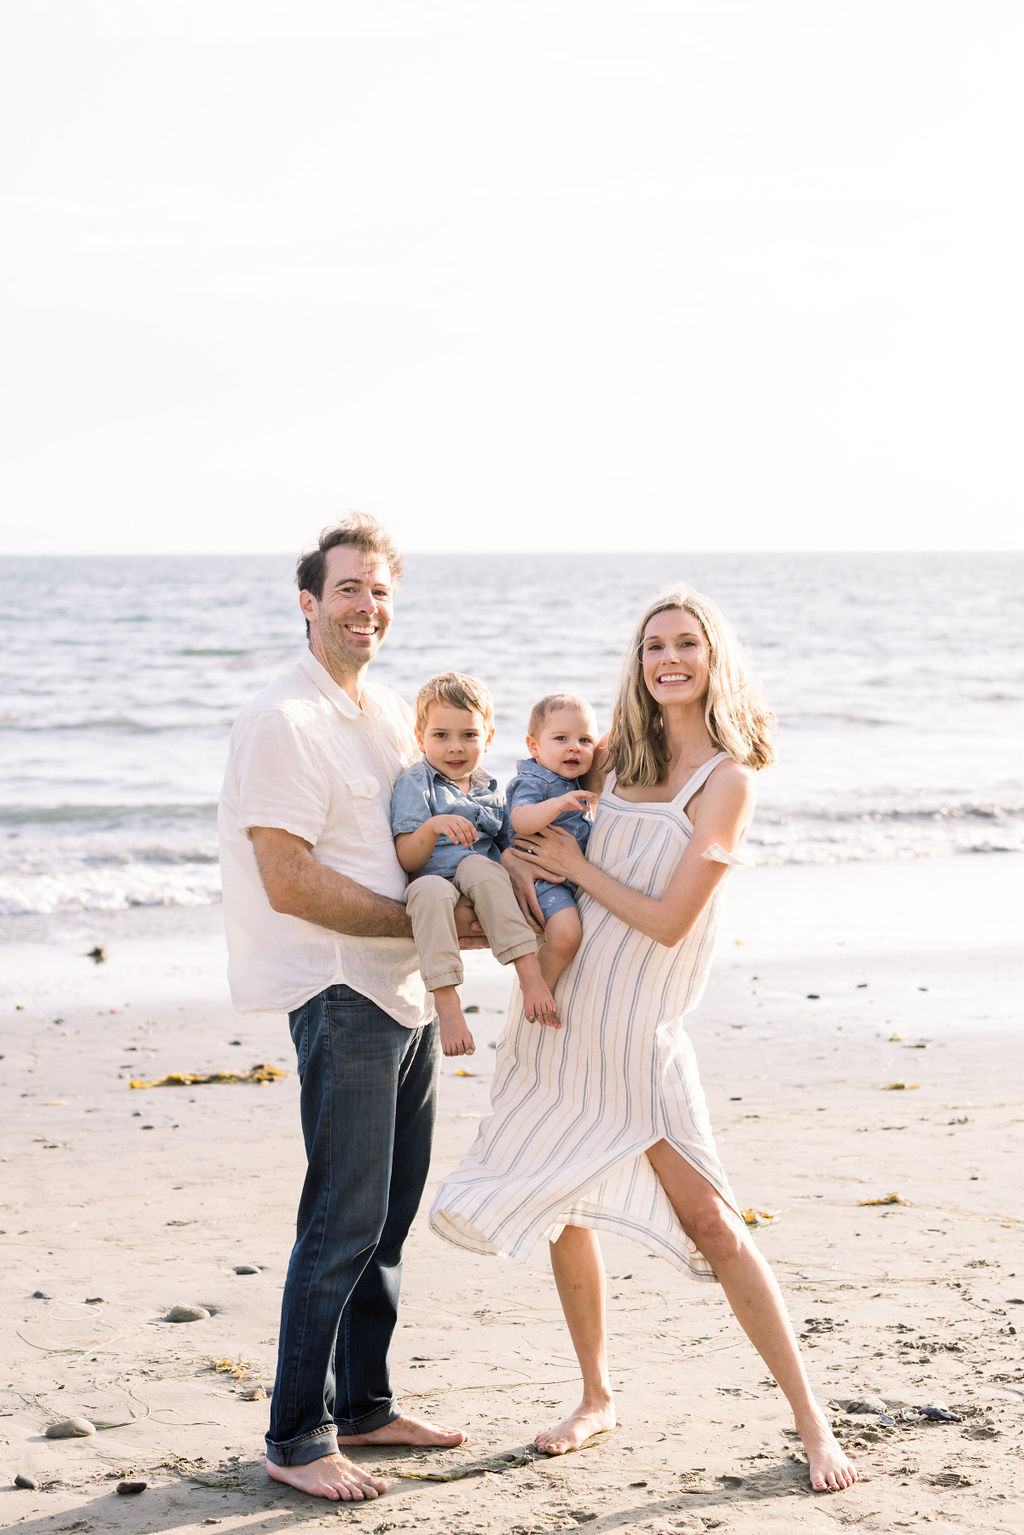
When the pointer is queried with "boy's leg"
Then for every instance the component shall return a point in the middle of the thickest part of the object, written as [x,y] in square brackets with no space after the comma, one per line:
[430,902]
[352,1058]
[562,934]
[510,935]
[488,886]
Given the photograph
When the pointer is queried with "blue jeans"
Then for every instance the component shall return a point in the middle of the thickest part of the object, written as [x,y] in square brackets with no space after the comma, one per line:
[367,1105]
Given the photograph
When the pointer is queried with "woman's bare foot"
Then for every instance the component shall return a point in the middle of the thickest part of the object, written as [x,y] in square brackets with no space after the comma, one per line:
[590,1418]
[414,1431]
[332,1476]
[829,1467]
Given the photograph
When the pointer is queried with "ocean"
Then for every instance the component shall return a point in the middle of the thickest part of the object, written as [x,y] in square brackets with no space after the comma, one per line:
[897,679]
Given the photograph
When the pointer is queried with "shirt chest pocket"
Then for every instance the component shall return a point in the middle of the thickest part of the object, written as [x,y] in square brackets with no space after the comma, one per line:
[369,800]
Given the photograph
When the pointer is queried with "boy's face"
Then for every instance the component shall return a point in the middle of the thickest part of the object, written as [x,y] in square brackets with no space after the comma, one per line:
[454,740]
[566,743]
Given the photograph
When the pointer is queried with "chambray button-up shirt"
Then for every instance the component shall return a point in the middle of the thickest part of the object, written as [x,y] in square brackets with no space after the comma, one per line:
[422,791]
[533,784]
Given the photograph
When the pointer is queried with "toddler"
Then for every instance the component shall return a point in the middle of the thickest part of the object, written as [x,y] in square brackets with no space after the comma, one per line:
[561,740]
[450,826]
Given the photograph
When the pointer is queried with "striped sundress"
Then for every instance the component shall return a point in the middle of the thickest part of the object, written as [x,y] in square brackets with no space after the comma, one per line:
[574,1109]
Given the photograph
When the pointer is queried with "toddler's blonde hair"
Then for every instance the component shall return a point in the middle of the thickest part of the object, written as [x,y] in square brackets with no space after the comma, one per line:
[456,691]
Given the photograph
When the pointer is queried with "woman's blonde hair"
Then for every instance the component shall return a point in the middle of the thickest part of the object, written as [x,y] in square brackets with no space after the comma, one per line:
[737,718]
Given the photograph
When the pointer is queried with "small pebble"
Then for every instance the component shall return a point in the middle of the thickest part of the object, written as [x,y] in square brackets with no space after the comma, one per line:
[471,1007]
[867,1404]
[97,955]
[246,1268]
[70,1428]
[41,1295]
[129,1489]
[813,996]
[25,1481]
[187,1314]
[94,1300]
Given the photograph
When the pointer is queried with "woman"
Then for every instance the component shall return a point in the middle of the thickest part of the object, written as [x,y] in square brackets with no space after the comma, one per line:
[603,1124]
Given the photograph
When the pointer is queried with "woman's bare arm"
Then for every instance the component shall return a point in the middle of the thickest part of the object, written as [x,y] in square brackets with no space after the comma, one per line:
[723,813]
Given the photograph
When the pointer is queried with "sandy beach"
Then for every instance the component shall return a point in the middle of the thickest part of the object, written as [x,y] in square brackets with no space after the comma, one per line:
[833,986]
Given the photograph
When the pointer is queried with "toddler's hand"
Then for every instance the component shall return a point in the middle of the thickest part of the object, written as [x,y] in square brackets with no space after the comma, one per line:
[456,828]
[580,799]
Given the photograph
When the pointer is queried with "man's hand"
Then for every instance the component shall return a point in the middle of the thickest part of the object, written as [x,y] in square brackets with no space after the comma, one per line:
[471,934]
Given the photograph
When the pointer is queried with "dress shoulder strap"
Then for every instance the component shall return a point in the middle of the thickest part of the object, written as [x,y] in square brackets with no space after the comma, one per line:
[698,779]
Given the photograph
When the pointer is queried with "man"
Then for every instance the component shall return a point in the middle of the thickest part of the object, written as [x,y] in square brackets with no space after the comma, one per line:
[317,927]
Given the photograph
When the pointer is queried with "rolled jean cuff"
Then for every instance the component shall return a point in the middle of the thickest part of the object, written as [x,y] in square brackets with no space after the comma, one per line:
[517,951]
[301,1451]
[446,978]
[366,1425]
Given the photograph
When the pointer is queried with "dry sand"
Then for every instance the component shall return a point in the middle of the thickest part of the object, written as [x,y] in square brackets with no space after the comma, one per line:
[118,1204]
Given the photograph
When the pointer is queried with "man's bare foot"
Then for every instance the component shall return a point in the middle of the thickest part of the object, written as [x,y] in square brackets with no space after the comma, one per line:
[332,1476]
[829,1467]
[577,1428]
[414,1431]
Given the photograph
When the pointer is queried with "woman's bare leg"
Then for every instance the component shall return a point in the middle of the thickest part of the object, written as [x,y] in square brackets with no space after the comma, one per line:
[579,1279]
[753,1293]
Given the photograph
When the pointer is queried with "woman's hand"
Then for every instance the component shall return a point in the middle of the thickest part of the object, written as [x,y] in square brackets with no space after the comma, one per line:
[553,852]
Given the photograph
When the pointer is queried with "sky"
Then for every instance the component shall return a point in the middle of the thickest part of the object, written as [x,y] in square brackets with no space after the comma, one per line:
[511,274]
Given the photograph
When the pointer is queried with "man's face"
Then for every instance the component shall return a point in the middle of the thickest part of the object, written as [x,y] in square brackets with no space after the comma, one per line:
[353,614]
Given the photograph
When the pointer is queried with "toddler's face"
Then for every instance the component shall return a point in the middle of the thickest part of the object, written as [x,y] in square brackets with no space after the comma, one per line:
[566,743]
[454,740]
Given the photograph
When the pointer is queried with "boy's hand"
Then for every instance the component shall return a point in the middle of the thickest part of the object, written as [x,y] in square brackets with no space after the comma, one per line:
[580,799]
[456,828]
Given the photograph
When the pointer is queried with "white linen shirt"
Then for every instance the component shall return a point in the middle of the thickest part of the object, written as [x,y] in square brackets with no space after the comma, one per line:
[304,758]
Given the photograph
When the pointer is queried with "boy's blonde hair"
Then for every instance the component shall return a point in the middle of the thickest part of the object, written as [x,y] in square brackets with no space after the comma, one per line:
[456,691]
[737,718]
[549,703]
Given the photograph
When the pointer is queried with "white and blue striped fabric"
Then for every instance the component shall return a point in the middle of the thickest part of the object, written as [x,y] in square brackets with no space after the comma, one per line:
[575,1109]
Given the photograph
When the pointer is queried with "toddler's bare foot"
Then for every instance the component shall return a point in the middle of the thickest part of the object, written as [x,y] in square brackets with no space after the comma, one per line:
[538,1003]
[455,1036]
[406,1430]
[590,1418]
[332,1476]
[829,1467]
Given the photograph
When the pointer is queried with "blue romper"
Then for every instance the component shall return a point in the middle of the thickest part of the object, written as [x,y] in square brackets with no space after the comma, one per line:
[531,786]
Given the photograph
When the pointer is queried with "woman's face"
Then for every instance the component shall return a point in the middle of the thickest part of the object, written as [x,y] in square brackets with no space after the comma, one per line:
[674,657]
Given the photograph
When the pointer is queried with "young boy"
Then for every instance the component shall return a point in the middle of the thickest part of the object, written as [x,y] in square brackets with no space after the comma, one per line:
[561,740]
[450,826]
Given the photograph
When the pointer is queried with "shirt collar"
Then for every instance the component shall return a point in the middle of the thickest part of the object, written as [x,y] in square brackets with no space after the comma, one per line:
[322,679]
[479,778]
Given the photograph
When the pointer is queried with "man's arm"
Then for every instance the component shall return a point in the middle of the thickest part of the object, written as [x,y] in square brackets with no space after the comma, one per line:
[298,886]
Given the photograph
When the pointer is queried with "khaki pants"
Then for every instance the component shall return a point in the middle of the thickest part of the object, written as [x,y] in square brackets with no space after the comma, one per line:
[430,902]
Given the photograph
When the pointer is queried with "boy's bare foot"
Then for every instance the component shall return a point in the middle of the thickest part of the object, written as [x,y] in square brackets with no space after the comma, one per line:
[414,1431]
[538,1003]
[455,1036]
[588,1419]
[829,1467]
[332,1476]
